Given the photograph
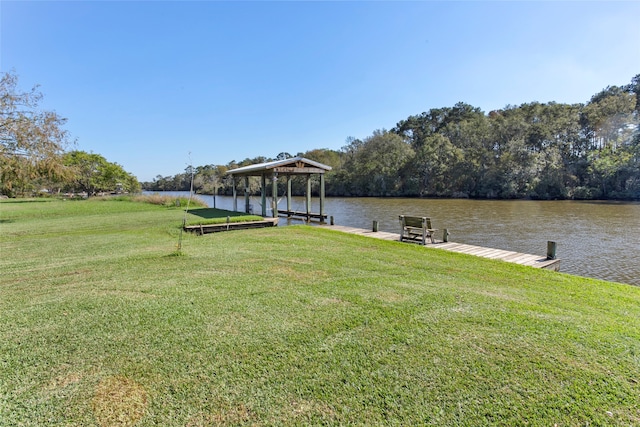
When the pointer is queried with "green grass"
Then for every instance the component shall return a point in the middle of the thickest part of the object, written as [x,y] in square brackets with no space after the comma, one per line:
[100,324]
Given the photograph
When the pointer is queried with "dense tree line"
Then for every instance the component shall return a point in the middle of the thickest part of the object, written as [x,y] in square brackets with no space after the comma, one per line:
[34,156]
[534,150]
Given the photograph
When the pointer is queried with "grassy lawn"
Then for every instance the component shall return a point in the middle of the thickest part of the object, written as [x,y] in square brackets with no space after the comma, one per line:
[103,323]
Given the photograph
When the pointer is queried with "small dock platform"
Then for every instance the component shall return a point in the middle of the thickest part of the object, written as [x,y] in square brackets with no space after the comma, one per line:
[228,226]
[303,215]
[535,261]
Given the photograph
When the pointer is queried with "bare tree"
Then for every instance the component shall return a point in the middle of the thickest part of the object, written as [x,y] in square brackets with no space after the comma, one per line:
[31,140]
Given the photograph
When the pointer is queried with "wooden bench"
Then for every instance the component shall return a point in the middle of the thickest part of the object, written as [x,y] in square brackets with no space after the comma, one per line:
[416,228]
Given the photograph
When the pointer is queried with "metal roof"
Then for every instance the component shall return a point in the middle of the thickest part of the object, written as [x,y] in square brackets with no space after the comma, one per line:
[294,165]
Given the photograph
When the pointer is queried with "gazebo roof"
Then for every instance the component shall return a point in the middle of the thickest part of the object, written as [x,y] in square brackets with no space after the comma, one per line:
[293,166]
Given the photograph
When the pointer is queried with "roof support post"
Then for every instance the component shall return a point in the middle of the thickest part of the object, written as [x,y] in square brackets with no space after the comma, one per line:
[246,194]
[308,196]
[235,194]
[274,195]
[321,197]
[288,193]
[263,193]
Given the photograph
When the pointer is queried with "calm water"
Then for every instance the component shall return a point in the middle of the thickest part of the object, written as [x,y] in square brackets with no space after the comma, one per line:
[595,239]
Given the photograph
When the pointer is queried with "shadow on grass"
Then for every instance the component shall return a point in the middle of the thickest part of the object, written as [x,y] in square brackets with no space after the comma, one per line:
[210,213]
[44,199]
[176,253]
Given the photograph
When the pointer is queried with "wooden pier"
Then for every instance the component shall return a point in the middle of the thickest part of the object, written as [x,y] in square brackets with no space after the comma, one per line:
[535,261]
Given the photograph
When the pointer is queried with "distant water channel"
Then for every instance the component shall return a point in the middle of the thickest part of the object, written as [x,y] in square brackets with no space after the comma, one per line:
[595,239]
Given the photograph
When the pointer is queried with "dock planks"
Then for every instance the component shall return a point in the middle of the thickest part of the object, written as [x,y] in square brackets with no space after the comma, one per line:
[503,255]
[535,261]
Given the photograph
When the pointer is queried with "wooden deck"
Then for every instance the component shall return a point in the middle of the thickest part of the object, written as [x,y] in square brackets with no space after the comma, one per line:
[535,261]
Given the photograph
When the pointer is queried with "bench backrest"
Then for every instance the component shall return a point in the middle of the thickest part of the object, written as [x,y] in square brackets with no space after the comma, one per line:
[415,221]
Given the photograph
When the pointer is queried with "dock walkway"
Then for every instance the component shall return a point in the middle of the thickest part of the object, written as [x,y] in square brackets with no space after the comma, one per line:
[535,261]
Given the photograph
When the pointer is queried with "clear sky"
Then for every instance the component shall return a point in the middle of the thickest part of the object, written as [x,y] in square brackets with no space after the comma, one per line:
[156,85]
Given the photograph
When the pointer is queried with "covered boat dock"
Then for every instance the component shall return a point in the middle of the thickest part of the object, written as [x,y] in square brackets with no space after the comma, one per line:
[274,171]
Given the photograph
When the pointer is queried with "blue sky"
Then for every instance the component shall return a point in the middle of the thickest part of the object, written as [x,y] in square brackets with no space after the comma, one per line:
[154,85]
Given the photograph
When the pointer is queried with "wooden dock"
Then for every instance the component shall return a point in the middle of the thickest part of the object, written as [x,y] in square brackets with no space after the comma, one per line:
[228,226]
[535,261]
[302,215]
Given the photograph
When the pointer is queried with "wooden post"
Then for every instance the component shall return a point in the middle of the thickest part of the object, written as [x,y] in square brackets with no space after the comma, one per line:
[445,235]
[322,197]
[263,194]
[551,250]
[331,220]
[235,194]
[288,194]
[308,196]
[375,226]
[246,194]
[274,196]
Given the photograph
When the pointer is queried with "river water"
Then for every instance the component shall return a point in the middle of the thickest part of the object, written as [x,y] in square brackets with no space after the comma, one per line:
[594,239]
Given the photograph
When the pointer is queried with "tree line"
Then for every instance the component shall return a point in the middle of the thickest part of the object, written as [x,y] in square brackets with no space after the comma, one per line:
[535,150]
[35,155]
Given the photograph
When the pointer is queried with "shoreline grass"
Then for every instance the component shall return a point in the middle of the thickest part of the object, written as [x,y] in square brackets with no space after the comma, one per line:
[296,325]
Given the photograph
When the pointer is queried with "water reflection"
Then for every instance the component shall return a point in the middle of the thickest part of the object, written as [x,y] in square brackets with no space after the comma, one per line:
[595,239]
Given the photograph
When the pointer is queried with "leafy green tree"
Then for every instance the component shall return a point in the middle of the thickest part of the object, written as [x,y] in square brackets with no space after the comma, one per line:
[634,89]
[611,128]
[325,156]
[460,137]
[373,166]
[433,165]
[609,118]
[416,129]
[283,156]
[469,132]
[208,179]
[538,149]
[31,140]
[93,174]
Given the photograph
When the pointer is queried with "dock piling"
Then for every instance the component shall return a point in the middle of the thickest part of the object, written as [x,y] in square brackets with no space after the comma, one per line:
[551,250]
